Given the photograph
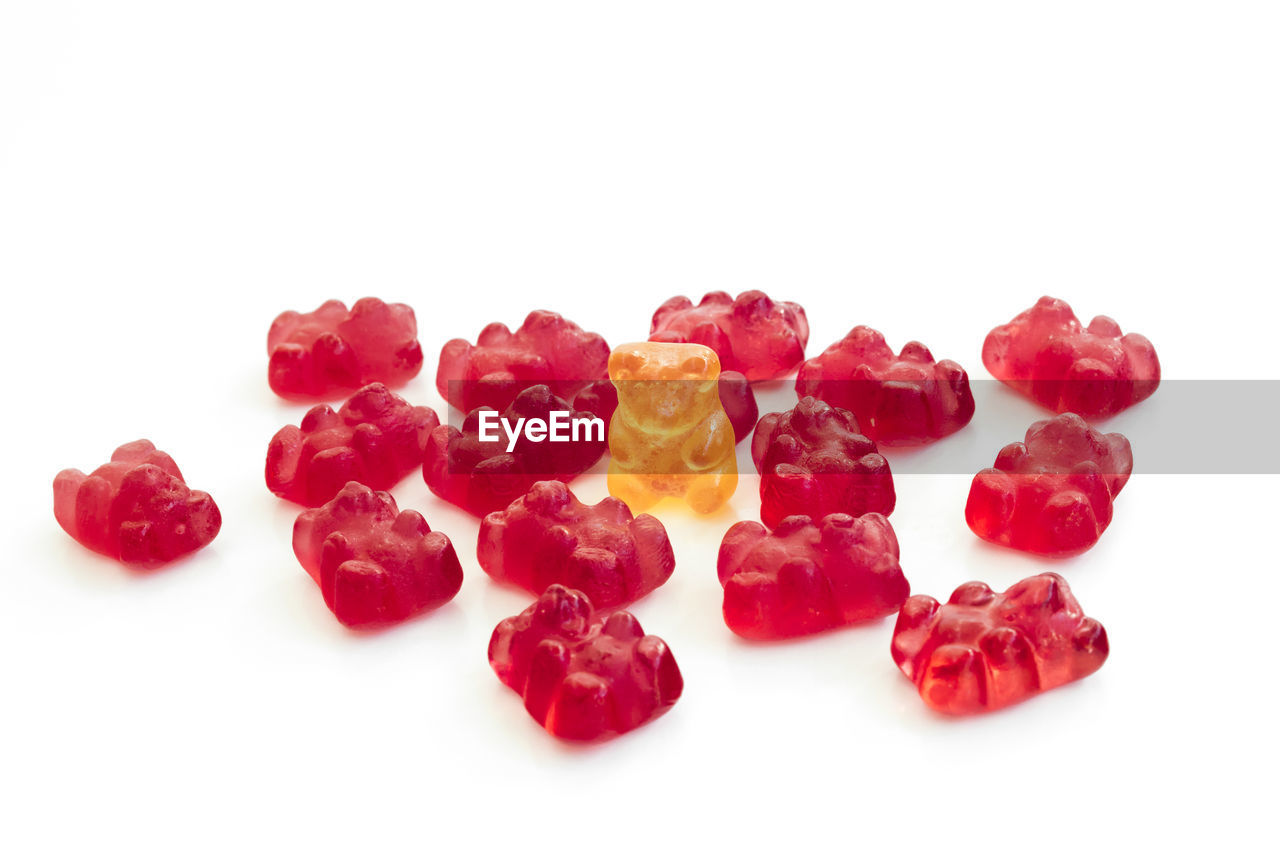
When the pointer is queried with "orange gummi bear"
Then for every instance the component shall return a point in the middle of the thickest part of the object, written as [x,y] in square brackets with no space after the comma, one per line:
[670,435]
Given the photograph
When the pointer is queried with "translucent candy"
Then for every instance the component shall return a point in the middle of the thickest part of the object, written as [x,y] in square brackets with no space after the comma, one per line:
[752,335]
[600,398]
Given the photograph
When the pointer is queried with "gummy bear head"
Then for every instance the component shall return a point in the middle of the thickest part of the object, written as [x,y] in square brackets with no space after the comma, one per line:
[664,383]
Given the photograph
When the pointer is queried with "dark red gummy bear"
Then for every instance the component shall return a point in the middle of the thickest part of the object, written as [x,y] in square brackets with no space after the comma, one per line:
[813,460]
[584,676]
[376,438]
[1045,354]
[136,509]
[548,536]
[375,566]
[899,399]
[804,577]
[600,398]
[982,651]
[333,350]
[1051,494]
[546,350]
[483,476]
[753,335]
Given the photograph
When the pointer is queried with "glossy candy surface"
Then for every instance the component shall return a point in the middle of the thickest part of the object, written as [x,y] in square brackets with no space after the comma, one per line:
[984,650]
[1052,493]
[375,566]
[814,461]
[136,508]
[582,675]
[739,401]
[484,476]
[670,436]
[376,438]
[806,577]
[906,398]
[546,350]
[1046,354]
[752,335]
[547,536]
[332,350]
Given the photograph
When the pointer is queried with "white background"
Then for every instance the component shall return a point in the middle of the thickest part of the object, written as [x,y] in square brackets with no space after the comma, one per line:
[172,175]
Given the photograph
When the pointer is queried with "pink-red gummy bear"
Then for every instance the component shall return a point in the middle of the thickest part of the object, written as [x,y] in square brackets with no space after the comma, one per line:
[753,335]
[984,650]
[546,350]
[332,350]
[739,401]
[483,476]
[375,566]
[376,438]
[584,676]
[1052,493]
[813,460]
[1045,354]
[136,508]
[547,536]
[804,577]
[898,399]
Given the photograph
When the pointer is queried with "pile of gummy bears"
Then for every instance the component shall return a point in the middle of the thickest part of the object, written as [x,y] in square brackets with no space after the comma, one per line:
[674,408]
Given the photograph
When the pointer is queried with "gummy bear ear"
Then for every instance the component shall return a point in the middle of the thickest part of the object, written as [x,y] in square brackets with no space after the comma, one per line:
[695,365]
[625,363]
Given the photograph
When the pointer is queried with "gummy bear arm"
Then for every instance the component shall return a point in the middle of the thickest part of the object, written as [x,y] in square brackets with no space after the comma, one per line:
[709,443]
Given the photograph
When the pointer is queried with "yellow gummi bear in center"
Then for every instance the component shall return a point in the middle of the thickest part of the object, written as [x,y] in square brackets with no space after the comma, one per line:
[670,436]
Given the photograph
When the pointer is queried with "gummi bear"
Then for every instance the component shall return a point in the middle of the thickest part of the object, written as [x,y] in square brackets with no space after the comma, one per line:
[984,650]
[483,476]
[376,438]
[813,460]
[752,335]
[600,398]
[584,676]
[333,350]
[1045,354]
[804,577]
[136,508]
[670,435]
[898,399]
[375,566]
[1051,494]
[546,350]
[548,536]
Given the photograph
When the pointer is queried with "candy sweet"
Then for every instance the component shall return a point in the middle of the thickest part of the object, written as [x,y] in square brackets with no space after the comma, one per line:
[332,350]
[752,334]
[984,650]
[1052,493]
[376,438]
[375,566]
[484,476]
[813,460]
[670,435]
[546,350]
[600,398]
[584,676]
[1045,354]
[548,536]
[805,577]
[898,399]
[136,508]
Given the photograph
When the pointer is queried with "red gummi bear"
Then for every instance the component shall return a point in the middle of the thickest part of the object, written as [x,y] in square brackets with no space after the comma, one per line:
[584,677]
[548,536]
[600,398]
[1051,494]
[1095,372]
[374,566]
[813,460]
[753,335]
[982,650]
[376,438]
[899,399]
[483,476]
[546,350]
[136,509]
[804,577]
[333,350]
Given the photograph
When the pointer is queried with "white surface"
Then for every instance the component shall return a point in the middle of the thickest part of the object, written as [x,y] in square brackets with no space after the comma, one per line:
[172,177]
